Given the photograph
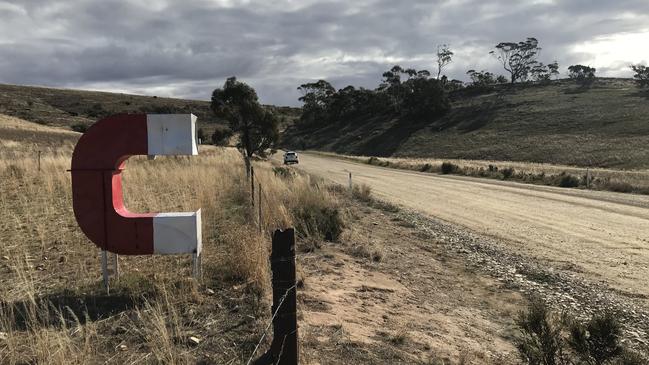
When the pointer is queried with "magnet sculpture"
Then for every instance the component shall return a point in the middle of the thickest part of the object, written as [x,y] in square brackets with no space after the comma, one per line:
[97,164]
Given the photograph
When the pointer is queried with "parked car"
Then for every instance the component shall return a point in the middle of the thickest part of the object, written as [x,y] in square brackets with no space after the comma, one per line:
[290,157]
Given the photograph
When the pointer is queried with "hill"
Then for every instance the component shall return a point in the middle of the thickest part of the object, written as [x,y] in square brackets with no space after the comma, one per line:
[21,136]
[65,107]
[606,126]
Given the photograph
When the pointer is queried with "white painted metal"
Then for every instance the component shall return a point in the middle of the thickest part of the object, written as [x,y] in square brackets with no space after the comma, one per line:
[176,233]
[171,134]
[197,269]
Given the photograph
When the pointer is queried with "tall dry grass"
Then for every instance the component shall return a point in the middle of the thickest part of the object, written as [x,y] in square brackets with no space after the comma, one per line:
[626,181]
[52,306]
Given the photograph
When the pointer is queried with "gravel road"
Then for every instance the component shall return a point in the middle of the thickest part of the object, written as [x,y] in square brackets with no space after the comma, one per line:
[602,236]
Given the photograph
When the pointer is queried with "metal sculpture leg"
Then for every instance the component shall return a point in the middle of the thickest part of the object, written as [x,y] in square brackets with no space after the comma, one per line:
[104,269]
[197,270]
[116,267]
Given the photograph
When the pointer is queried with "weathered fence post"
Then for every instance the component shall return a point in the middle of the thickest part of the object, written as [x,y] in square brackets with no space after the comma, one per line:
[284,348]
[39,161]
[587,178]
[350,182]
[252,186]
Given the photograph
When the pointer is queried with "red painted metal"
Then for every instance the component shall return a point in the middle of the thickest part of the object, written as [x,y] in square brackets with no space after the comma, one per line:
[97,163]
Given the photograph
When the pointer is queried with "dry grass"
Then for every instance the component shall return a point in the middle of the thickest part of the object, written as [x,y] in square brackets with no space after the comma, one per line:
[625,181]
[52,306]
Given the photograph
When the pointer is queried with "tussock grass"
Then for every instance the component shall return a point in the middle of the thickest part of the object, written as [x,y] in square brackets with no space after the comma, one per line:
[52,306]
[625,181]
[548,337]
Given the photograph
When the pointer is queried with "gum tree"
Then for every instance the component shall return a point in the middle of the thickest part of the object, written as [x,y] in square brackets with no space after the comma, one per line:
[517,58]
[257,128]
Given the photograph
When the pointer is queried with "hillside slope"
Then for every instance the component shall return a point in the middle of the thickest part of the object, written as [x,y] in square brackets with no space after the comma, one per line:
[606,125]
[65,107]
[18,135]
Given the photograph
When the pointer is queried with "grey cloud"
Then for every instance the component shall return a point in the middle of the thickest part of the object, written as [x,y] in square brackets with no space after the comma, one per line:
[188,48]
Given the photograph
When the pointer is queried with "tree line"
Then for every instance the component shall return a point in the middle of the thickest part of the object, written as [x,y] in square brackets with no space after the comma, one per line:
[403,92]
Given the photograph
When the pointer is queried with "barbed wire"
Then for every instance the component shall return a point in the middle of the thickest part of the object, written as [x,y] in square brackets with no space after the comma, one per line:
[270,323]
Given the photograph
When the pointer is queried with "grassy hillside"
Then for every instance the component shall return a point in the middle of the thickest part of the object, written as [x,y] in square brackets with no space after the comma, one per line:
[63,107]
[16,130]
[606,126]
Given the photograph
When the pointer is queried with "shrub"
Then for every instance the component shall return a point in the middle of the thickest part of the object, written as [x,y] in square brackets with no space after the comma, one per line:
[283,172]
[80,127]
[629,357]
[426,167]
[507,172]
[316,215]
[618,186]
[567,181]
[221,135]
[541,341]
[598,341]
[549,340]
[15,171]
[326,222]
[362,192]
[365,251]
[449,168]
[96,111]
[376,161]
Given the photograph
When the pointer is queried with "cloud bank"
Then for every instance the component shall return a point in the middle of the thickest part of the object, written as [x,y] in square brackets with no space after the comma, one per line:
[187,48]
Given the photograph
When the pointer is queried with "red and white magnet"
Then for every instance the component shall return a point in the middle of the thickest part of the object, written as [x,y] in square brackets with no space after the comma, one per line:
[97,163]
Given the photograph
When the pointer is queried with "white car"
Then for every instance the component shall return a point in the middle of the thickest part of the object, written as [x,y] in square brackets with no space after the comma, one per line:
[290,157]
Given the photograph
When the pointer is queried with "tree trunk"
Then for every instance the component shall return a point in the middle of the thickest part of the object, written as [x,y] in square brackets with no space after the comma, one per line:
[246,159]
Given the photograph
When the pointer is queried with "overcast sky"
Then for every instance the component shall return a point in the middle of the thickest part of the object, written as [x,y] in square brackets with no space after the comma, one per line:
[187,48]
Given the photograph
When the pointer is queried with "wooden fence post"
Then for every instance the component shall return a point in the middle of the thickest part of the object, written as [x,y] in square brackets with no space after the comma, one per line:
[39,161]
[284,348]
[350,182]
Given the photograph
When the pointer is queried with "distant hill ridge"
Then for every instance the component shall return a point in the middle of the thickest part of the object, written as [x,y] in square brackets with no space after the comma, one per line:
[606,125]
[67,107]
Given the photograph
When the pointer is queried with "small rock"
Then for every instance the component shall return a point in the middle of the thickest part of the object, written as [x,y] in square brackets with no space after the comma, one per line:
[209,291]
[122,347]
[194,340]
[3,336]
[40,267]
[6,258]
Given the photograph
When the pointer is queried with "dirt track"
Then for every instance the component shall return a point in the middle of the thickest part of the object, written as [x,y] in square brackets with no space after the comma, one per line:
[600,235]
